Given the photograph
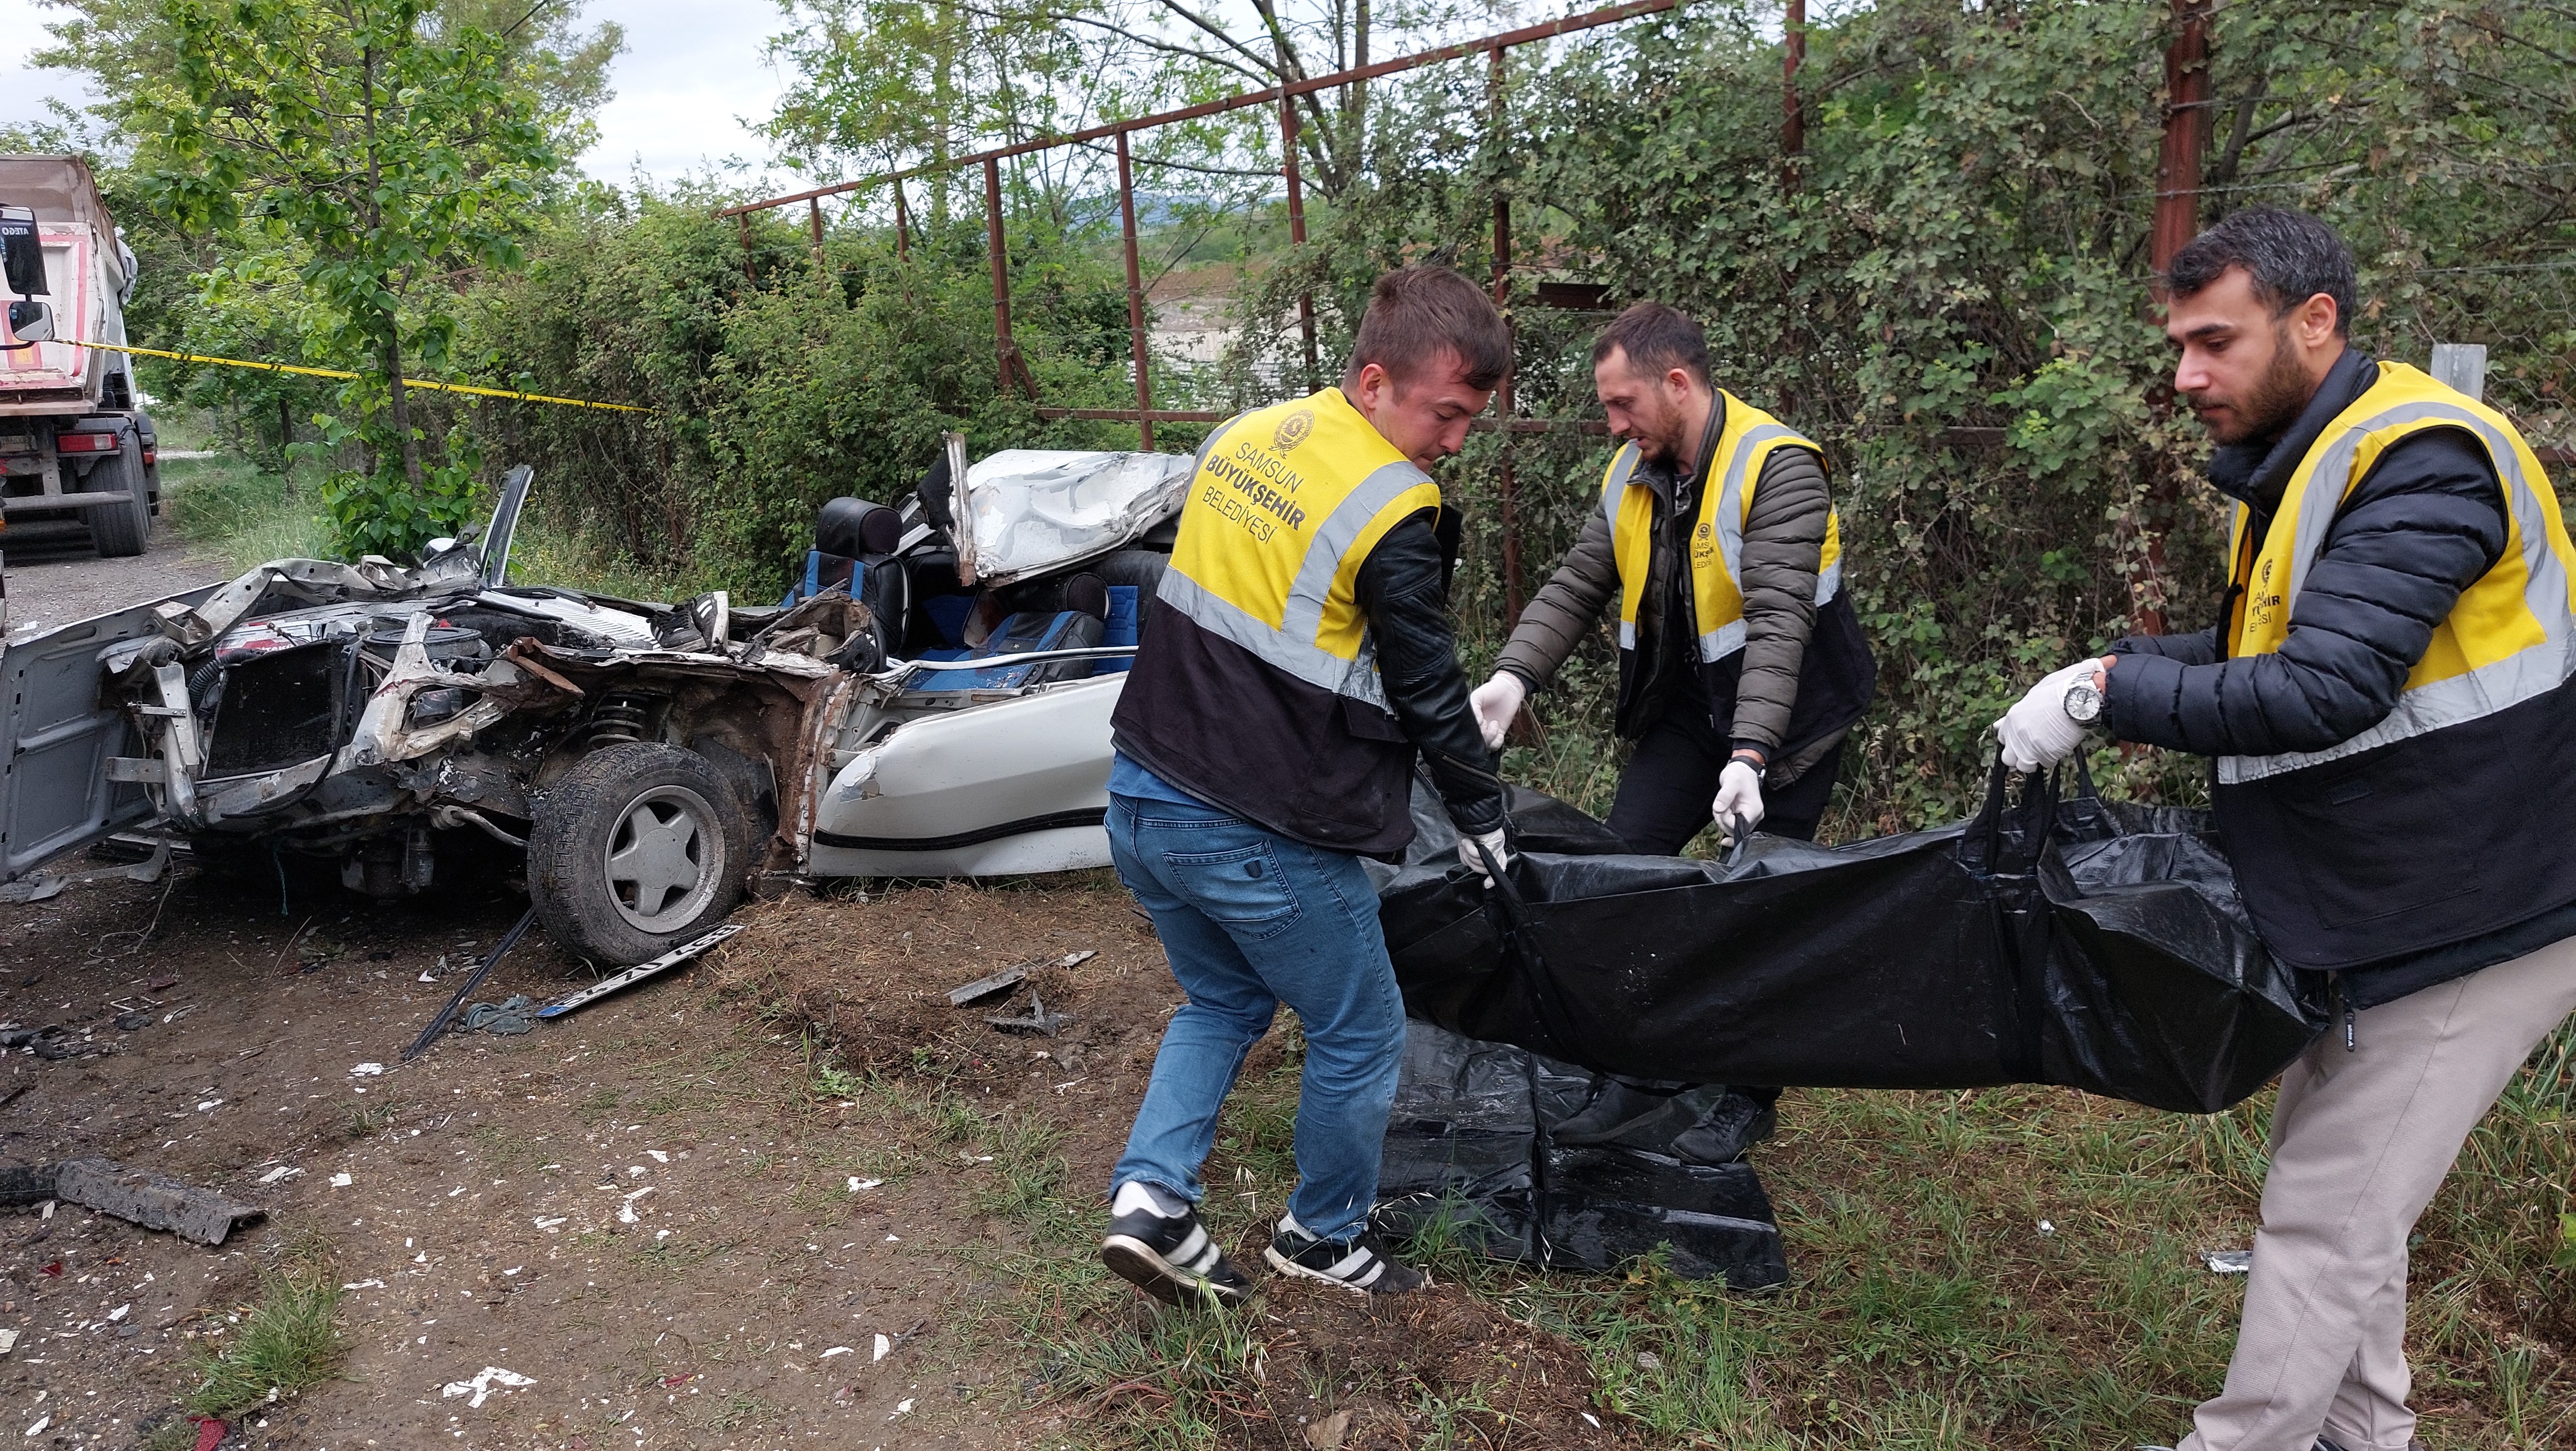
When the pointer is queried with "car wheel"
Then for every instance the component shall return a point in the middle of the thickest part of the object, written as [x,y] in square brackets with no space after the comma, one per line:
[638,848]
[119,530]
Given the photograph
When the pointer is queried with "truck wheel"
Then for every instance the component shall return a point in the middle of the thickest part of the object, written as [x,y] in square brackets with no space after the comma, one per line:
[119,530]
[638,848]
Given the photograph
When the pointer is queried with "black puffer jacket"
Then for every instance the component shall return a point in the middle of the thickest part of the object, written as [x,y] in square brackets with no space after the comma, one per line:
[2421,527]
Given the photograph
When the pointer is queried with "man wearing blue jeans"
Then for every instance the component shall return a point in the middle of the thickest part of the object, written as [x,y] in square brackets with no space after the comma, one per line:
[1297,660]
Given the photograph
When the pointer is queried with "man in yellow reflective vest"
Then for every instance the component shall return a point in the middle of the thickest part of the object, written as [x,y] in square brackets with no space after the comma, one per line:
[1714,546]
[2390,696]
[1297,661]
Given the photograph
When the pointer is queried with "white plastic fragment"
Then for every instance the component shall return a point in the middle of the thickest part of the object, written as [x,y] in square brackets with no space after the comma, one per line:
[486,1381]
[364,1285]
[657,1156]
[903,1407]
[1590,1419]
[2228,1261]
[8,1341]
[118,1313]
[861,1186]
[367,1070]
[42,1422]
[885,1347]
[342,1181]
[282,1171]
[835,1350]
[550,1225]
[2046,1228]
[204,1105]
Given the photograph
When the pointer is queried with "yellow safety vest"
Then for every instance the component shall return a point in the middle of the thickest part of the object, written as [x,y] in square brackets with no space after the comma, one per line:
[1286,503]
[1745,441]
[2510,638]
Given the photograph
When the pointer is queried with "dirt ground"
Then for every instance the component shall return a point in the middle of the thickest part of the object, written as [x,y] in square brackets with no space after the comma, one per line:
[646,1208]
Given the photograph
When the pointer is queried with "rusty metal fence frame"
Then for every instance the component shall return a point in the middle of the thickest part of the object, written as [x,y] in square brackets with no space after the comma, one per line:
[1011,365]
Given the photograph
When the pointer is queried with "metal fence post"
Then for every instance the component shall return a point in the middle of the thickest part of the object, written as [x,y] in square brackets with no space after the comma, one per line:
[1297,230]
[1135,298]
[1006,349]
[2177,219]
[1506,491]
[2462,366]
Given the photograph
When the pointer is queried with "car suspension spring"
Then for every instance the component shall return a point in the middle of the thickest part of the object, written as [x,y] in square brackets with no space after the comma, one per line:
[619,718]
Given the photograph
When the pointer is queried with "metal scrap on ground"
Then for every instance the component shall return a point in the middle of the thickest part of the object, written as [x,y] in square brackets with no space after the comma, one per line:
[633,975]
[1010,977]
[154,1201]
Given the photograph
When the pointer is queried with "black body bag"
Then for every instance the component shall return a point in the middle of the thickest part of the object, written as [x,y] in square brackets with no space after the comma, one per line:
[2092,944]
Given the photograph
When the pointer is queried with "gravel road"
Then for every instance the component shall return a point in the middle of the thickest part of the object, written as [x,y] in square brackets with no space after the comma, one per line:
[56,580]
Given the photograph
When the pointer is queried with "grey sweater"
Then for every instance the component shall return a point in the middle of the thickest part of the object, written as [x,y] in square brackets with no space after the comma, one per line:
[1784,540]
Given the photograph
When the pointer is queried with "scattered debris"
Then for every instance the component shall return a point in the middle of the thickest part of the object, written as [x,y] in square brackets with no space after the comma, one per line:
[507,1018]
[1038,1019]
[211,1432]
[487,1381]
[1647,1360]
[859,1185]
[2228,1261]
[282,1171]
[985,987]
[367,1070]
[342,1181]
[364,1285]
[1327,1434]
[1010,977]
[885,1346]
[8,1340]
[835,1350]
[901,1408]
[633,975]
[159,984]
[501,949]
[151,1200]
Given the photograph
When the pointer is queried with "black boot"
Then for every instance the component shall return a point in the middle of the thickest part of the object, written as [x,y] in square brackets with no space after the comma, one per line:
[1732,1125]
[1615,1108]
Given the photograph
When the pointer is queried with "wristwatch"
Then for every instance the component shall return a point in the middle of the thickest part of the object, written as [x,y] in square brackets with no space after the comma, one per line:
[2083,703]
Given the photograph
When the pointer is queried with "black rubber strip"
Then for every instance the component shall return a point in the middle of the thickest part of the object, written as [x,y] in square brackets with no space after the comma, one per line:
[1087,816]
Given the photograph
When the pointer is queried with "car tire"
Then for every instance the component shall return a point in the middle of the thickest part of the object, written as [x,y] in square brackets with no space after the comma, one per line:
[120,531]
[635,850]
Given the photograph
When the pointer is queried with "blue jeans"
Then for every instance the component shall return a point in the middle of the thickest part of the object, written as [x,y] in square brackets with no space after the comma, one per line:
[1250,920]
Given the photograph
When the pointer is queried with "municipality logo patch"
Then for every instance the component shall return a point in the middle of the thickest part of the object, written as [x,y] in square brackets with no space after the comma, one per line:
[1293,430]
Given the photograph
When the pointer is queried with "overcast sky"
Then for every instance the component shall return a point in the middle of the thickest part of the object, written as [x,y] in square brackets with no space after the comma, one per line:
[692,72]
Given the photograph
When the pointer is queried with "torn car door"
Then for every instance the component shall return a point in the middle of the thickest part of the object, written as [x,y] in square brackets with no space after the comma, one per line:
[57,738]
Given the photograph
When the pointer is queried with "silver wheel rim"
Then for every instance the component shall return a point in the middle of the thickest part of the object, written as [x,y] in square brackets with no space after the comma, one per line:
[665,858]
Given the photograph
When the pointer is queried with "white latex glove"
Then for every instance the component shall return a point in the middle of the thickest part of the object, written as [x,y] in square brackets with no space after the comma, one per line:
[2038,732]
[1739,793]
[1493,842]
[1495,703]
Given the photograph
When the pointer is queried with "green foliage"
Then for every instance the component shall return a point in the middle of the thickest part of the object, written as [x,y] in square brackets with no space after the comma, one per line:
[371,149]
[775,393]
[1954,299]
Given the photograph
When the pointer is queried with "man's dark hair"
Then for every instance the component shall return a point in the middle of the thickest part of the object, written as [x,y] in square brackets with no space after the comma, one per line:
[2291,257]
[1657,339]
[1417,313]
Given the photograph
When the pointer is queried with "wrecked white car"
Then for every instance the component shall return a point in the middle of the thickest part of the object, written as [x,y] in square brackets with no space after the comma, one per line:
[932,700]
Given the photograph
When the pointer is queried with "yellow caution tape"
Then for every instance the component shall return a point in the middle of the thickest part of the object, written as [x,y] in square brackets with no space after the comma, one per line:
[338,373]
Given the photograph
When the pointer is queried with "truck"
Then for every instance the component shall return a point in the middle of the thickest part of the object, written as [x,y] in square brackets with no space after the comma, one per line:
[77,449]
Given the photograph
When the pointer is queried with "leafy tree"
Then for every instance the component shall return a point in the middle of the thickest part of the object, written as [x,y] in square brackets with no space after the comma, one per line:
[372,150]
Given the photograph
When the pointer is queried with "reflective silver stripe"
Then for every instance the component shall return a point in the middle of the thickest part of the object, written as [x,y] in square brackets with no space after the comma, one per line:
[1303,619]
[1614,492]
[2524,675]
[1614,489]
[1728,638]
[1829,583]
[1306,661]
[1292,647]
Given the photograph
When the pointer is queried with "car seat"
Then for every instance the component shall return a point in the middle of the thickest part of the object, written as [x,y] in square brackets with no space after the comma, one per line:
[1082,624]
